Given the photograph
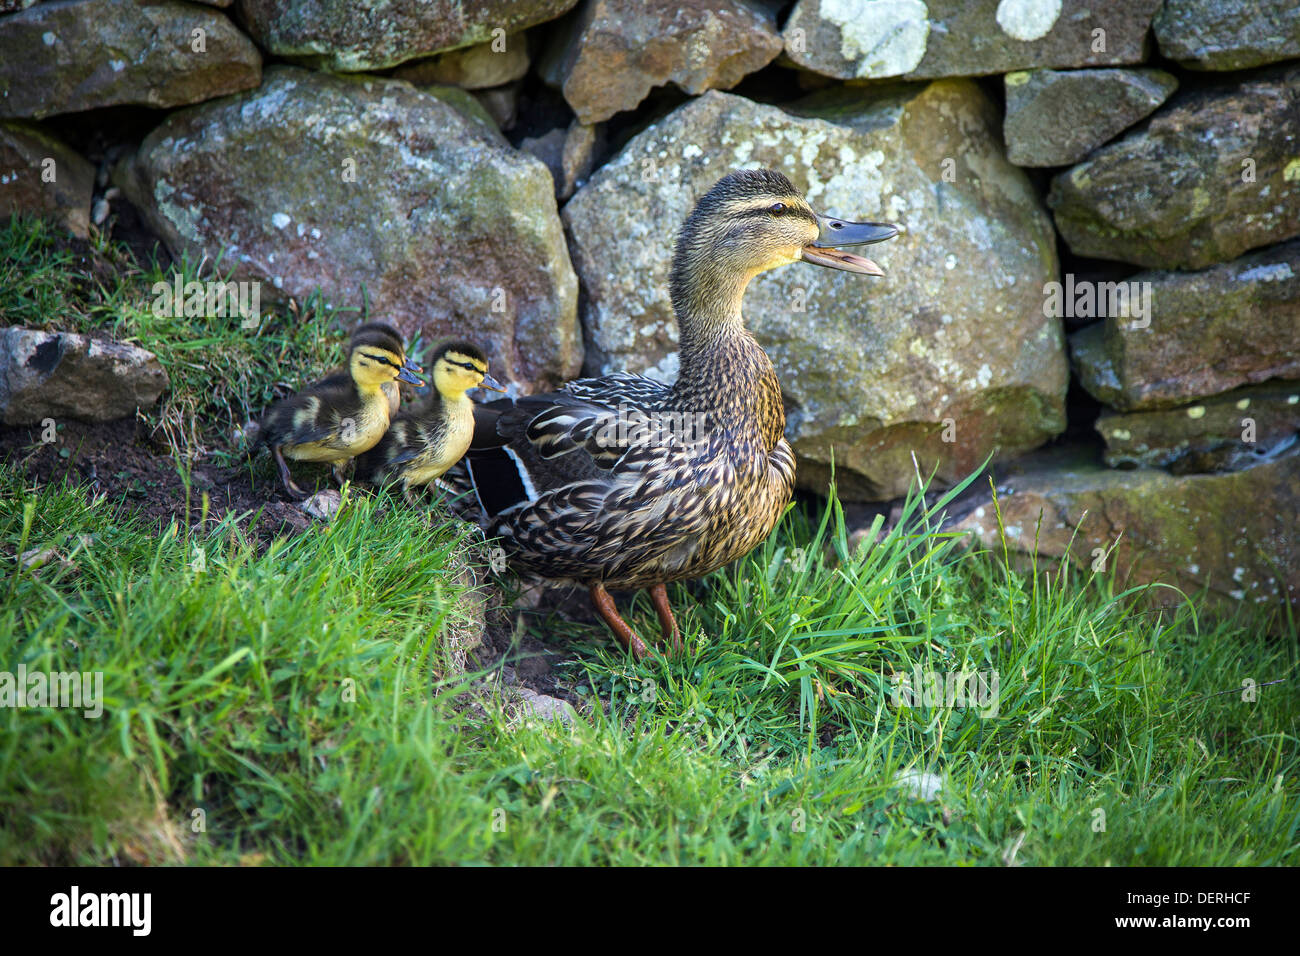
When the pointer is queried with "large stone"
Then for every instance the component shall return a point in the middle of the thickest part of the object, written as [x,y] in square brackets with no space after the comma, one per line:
[374,192]
[1228,34]
[1213,174]
[614,52]
[42,176]
[468,105]
[350,37]
[1224,433]
[582,143]
[865,39]
[949,355]
[501,103]
[549,149]
[1232,534]
[1057,117]
[61,375]
[1203,333]
[83,54]
[471,68]
[568,154]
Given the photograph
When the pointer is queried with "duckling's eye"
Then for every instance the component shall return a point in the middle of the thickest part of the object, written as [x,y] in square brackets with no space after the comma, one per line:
[777,208]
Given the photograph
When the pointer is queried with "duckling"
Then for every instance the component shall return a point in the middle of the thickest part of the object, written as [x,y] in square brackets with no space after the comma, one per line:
[579,489]
[344,414]
[392,390]
[418,448]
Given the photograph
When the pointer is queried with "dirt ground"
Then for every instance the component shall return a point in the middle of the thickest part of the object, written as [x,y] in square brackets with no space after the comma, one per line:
[118,460]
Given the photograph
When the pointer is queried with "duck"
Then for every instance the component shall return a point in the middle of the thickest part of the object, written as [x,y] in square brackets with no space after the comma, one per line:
[392,390]
[625,483]
[419,448]
[344,414]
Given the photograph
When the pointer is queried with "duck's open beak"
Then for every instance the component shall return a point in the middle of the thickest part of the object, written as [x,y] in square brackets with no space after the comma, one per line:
[490,382]
[837,232]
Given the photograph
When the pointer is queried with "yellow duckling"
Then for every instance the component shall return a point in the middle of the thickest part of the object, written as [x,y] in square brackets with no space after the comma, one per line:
[343,415]
[418,448]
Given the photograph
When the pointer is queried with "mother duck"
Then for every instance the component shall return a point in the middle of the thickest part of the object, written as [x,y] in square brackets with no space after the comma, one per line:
[623,482]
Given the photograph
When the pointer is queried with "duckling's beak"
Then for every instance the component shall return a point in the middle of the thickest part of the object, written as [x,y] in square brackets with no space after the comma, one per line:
[407,372]
[837,232]
[490,382]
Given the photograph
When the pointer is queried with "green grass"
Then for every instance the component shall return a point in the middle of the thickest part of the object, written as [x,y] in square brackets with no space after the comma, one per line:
[221,374]
[773,740]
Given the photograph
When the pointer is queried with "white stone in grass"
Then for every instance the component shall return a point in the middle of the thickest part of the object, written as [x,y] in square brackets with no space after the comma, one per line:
[36,557]
[920,784]
[323,505]
[545,708]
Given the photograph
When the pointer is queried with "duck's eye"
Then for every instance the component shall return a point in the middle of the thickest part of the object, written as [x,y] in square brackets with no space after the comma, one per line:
[776,208]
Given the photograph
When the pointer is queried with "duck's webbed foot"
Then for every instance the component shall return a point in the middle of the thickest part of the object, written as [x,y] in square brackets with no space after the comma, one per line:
[285,478]
[604,605]
[672,634]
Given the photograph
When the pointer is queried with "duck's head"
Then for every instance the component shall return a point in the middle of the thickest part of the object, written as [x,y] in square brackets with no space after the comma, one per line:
[376,355]
[460,366]
[753,220]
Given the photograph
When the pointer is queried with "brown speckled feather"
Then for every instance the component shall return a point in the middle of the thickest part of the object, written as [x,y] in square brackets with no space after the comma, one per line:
[660,510]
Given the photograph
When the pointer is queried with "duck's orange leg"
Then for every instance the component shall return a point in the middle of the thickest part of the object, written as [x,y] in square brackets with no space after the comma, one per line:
[604,605]
[672,634]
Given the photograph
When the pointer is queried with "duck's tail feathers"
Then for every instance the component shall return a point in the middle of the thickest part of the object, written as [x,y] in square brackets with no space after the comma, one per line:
[488,481]
[500,480]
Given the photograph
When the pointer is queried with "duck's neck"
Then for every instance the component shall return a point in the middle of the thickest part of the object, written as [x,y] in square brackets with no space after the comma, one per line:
[706,300]
[457,405]
[723,371]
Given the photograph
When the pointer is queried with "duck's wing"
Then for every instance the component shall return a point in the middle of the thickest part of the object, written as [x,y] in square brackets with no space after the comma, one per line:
[409,442]
[400,444]
[312,415]
[619,388]
[536,445]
